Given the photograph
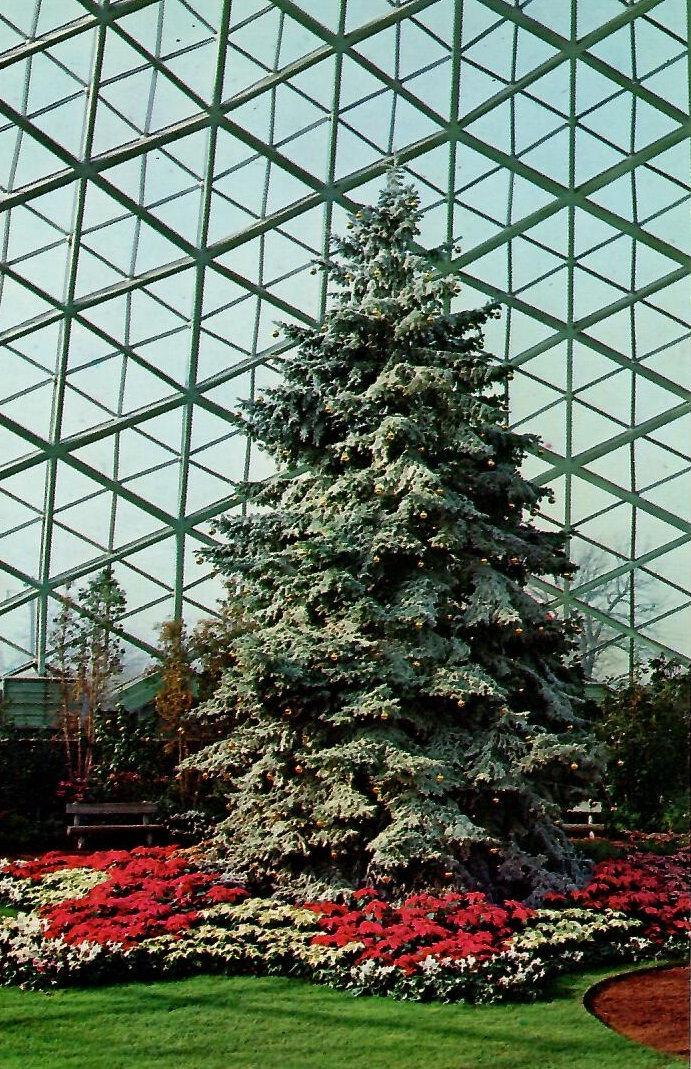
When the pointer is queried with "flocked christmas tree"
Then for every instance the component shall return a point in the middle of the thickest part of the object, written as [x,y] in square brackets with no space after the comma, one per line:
[403,710]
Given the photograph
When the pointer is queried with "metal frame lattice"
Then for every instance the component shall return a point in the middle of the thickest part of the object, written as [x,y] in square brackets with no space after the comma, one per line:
[170,170]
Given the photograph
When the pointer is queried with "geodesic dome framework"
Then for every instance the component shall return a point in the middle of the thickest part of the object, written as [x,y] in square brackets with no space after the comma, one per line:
[171,168]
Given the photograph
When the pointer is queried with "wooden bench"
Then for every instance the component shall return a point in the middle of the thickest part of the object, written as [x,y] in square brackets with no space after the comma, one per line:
[584,820]
[108,817]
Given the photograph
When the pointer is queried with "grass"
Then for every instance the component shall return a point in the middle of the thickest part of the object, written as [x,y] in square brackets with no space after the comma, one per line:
[249,1023]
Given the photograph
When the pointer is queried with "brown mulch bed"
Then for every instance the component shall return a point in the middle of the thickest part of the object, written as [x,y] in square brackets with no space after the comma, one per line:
[650,1006]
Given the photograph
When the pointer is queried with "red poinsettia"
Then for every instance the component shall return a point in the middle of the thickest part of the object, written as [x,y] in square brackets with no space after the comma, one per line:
[452,926]
[147,893]
[654,889]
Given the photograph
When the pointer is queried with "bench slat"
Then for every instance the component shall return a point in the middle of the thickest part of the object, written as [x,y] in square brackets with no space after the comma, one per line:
[109,808]
[80,829]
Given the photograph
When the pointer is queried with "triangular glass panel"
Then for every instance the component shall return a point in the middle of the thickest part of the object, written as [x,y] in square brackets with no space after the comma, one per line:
[611,261]
[593,294]
[29,232]
[411,125]
[418,49]
[370,119]
[101,381]
[259,37]
[215,356]
[93,274]
[616,197]
[352,153]
[80,410]
[593,157]
[159,488]
[182,213]
[133,523]
[34,162]
[381,50]
[612,396]
[551,157]
[431,87]
[297,41]
[493,128]
[204,487]
[13,446]
[169,356]
[129,97]
[311,149]
[549,296]
[612,329]
[88,520]
[138,451]
[244,185]
[111,130]
[284,189]
[142,388]
[589,366]
[196,67]
[673,299]
[674,226]
[533,121]
[668,83]
[530,261]
[588,500]
[241,71]
[615,50]
[19,304]
[651,125]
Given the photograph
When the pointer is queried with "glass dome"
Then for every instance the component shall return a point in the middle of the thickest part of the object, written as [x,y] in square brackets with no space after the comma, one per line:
[171,168]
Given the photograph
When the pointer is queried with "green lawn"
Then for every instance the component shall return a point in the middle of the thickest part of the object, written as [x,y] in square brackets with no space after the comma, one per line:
[249,1023]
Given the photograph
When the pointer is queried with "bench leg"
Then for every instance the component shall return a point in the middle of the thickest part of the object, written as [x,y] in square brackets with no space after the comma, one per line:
[81,842]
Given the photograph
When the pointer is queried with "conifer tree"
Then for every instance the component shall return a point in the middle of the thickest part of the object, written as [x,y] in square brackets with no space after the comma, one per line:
[404,711]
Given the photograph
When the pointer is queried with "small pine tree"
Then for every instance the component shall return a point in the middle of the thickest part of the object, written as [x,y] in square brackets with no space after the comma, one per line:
[88,660]
[404,711]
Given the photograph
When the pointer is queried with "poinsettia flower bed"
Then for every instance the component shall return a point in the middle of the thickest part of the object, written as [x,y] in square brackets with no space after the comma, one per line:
[157,912]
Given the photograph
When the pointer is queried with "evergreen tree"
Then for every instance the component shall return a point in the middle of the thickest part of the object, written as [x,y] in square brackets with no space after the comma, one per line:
[403,710]
[88,661]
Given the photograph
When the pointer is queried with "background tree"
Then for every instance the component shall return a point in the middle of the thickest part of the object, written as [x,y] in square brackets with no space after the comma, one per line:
[599,641]
[403,709]
[647,729]
[88,661]
[175,696]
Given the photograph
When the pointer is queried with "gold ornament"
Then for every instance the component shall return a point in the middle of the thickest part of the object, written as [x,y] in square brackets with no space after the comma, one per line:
[460,703]
[384,716]
[375,560]
[423,515]
[333,656]
[439,778]
[419,624]
[491,464]
[299,770]
[495,801]
[421,564]
[483,560]
[379,489]
[620,764]
[518,630]
[345,457]
[574,766]
[416,664]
